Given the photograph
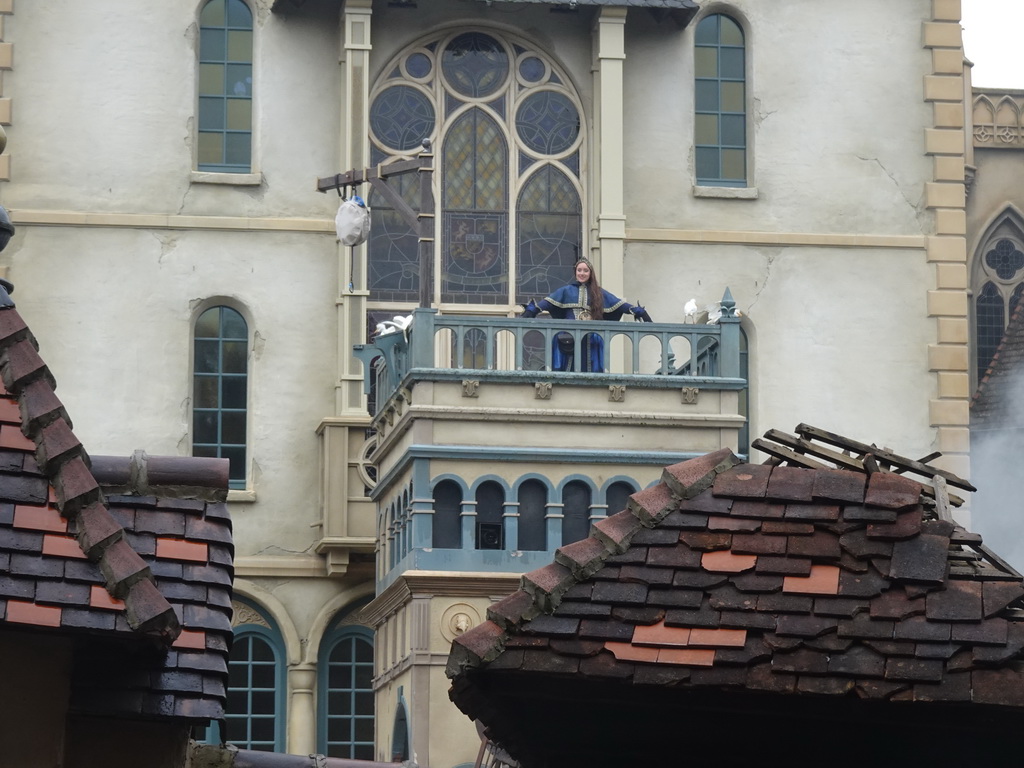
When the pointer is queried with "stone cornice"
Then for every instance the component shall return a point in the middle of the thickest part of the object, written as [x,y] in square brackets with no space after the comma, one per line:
[438,584]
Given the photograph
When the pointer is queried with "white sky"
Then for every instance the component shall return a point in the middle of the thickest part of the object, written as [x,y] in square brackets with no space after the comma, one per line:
[992,33]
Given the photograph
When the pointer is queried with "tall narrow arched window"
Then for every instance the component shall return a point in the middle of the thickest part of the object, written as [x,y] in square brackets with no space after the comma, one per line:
[346,693]
[998,282]
[225,87]
[533,502]
[720,100]
[576,499]
[490,513]
[220,389]
[447,519]
[506,124]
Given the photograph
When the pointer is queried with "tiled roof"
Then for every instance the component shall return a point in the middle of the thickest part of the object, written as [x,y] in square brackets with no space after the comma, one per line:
[762,578]
[997,402]
[131,557]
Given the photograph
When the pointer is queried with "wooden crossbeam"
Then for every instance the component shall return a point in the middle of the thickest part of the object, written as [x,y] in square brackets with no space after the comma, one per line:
[900,462]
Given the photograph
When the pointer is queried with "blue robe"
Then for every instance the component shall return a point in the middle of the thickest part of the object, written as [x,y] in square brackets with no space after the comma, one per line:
[572,302]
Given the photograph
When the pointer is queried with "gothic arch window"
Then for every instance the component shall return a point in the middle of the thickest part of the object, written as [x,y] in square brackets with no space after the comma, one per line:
[720,101]
[997,282]
[225,87]
[505,123]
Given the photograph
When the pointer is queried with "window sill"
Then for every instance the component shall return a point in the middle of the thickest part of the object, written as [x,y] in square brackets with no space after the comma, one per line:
[242,496]
[726,193]
[229,179]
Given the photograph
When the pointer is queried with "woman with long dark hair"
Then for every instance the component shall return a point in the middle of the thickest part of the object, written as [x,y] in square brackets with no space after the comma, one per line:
[583,299]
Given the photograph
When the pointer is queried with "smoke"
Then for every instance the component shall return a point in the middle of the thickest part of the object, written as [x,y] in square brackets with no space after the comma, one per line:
[997,465]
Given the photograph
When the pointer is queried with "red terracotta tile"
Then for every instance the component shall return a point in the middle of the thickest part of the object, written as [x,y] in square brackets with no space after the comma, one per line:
[62,546]
[179,549]
[39,519]
[100,598]
[191,639]
[10,413]
[20,612]
[690,657]
[11,438]
[824,580]
[724,561]
[718,638]
[659,634]
[629,652]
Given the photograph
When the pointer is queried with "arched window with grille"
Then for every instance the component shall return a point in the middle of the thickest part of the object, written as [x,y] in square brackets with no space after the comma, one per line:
[617,496]
[346,698]
[220,377]
[506,124]
[720,101]
[997,281]
[490,516]
[225,87]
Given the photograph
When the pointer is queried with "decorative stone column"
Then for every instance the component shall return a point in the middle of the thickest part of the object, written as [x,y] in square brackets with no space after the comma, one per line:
[609,56]
[302,709]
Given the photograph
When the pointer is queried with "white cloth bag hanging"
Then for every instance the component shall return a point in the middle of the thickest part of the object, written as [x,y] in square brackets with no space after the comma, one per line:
[352,222]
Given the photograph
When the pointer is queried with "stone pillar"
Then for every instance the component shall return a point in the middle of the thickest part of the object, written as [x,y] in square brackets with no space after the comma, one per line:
[302,709]
[610,54]
[354,151]
[948,303]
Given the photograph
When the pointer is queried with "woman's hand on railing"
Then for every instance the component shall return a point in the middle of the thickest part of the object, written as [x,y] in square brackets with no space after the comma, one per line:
[532,310]
[640,313]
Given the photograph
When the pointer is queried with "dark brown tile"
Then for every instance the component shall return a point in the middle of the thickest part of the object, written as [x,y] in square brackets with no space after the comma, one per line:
[719,523]
[999,594]
[907,524]
[867,584]
[706,541]
[676,556]
[856,513]
[921,559]
[829,686]
[618,593]
[895,604]
[843,607]
[789,625]
[706,503]
[801,661]
[786,566]
[758,510]
[820,512]
[819,546]
[552,626]
[839,485]
[782,602]
[959,601]
[641,616]
[677,597]
[863,626]
[746,481]
[858,661]
[686,521]
[988,632]
[913,669]
[791,484]
[921,629]
[645,574]
[758,544]
[787,527]
[892,491]
[605,665]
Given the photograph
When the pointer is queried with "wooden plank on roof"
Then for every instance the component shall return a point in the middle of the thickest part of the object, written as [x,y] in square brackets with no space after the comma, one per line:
[902,462]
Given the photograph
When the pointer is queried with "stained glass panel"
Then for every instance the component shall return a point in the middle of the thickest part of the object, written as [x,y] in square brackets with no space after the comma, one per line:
[1006,259]
[401,117]
[548,122]
[549,233]
[475,64]
[990,322]
[393,247]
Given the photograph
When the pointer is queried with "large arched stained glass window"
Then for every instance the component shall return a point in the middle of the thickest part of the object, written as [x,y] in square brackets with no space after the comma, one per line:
[506,127]
[225,87]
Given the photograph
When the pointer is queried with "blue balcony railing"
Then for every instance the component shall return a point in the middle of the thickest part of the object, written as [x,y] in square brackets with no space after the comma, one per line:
[526,347]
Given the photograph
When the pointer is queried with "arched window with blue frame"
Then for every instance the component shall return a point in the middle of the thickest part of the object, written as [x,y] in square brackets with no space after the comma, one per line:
[345,703]
[225,87]
[220,389]
[254,715]
[720,101]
